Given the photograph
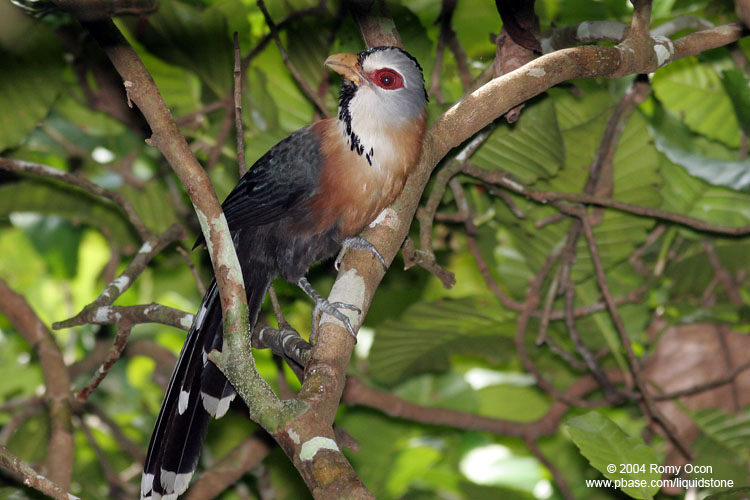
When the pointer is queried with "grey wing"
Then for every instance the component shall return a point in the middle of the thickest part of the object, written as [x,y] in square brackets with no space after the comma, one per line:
[282,179]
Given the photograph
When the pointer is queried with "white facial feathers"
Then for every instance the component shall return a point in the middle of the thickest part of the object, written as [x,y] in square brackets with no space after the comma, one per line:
[372,116]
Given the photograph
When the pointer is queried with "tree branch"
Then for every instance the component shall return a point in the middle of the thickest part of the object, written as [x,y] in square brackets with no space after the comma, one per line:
[60,448]
[83,183]
[26,474]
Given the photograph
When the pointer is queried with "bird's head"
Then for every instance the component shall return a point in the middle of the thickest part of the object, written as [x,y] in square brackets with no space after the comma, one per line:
[382,86]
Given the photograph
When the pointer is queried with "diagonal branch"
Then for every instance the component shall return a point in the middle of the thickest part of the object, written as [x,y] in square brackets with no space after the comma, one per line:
[60,451]
[141,89]
[83,183]
[151,248]
[29,477]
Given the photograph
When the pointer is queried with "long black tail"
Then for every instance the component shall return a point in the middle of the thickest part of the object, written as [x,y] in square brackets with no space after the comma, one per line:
[197,389]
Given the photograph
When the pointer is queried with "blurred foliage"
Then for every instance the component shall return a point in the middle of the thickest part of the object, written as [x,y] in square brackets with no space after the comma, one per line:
[683,150]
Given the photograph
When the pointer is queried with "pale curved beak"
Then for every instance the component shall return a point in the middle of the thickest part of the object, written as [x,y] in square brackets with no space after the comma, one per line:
[346,65]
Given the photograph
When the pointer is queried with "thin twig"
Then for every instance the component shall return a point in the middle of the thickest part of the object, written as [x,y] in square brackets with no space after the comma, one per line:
[117,488]
[722,331]
[238,81]
[600,375]
[637,255]
[713,384]
[226,126]
[83,183]
[562,484]
[113,290]
[634,365]
[722,275]
[118,345]
[545,197]
[193,269]
[280,319]
[309,92]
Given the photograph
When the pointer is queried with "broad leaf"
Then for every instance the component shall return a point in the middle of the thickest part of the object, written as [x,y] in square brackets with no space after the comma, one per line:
[733,494]
[605,445]
[729,430]
[736,84]
[31,75]
[674,140]
[694,91]
[530,149]
[428,334]
[691,196]
[70,203]
[197,40]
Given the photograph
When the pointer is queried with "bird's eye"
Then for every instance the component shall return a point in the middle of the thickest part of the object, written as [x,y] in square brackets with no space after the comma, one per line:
[388,79]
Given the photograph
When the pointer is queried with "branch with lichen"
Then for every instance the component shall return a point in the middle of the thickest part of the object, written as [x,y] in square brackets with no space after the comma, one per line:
[26,474]
[150,249]
[236,360]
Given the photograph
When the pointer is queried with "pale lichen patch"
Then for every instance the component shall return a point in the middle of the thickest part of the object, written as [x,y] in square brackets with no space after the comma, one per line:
[293,436]
[146,247]
[348,289]
[664,49]
[387,217]
[121,283]
[536,72]
[187,320]
[313,446]
[227,253]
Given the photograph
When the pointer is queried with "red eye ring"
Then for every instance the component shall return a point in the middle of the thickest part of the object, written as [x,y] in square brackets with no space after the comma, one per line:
[388,79]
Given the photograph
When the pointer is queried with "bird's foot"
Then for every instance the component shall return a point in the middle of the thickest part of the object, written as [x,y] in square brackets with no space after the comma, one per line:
[323,306]
[358,243]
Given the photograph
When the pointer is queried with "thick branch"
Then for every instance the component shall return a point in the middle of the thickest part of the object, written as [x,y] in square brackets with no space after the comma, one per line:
[264,405]
[60,451]
[31,478]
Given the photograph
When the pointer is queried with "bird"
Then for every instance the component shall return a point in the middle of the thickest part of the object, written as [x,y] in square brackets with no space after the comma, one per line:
[304,199]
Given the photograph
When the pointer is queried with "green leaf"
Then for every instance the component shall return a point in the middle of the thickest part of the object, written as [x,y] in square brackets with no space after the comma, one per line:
[694,91]
[294,109]
[520,404]
[380,439]
[530,149]
[729,430]
[31,75]
[733,494]
[29,442]
[152,204]
[307,46]
[428,334]
[605,445]
[673,139]
[410,465]
[58,240]
[73,204]
[736,84]
[192,39]
[691,196]
[443,390]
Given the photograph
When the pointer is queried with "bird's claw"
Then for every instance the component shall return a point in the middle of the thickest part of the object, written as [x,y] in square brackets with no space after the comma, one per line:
[332,308]
[358,243]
